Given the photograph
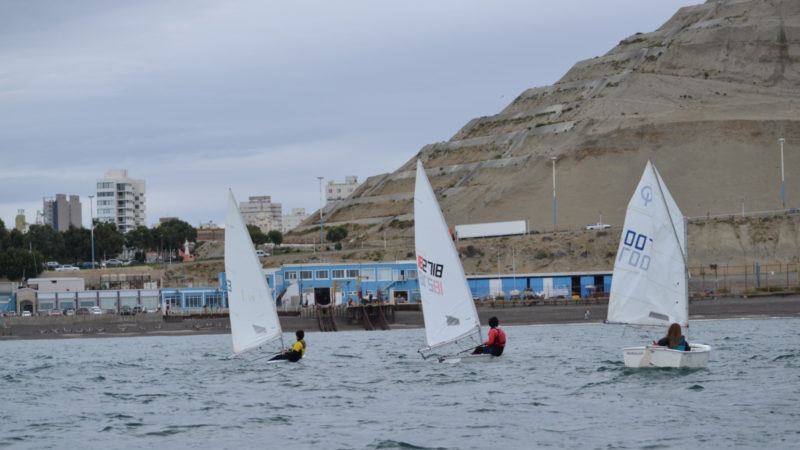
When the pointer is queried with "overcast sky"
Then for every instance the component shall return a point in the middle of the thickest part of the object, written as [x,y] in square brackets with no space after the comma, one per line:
[195,96]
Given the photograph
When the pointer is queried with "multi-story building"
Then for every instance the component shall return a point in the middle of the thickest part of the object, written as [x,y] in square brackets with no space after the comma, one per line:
[261,212]
[290,221]
[340,191]
[210,232]
[20,222]
[60,213]
[121,200]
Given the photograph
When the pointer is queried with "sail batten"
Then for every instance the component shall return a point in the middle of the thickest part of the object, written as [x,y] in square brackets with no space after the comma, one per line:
[253,316]
[649,284]
[447,306]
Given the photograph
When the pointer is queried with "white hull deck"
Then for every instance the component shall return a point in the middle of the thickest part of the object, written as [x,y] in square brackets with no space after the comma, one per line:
[468,359]
[655,356]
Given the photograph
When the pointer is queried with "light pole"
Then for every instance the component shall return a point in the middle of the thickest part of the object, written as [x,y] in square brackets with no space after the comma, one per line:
[553,158]
[321,226]
[783,180]
[91,224]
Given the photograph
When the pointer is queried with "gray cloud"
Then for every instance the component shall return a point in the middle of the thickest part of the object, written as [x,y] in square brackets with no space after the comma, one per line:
[263,97]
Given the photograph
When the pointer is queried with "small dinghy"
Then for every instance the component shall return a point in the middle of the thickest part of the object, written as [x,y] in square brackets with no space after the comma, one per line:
[650,284]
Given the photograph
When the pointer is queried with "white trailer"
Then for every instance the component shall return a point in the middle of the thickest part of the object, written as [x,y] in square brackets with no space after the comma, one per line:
[491,229]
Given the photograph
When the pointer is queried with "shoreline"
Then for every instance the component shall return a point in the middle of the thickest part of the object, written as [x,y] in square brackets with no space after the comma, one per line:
[77,327]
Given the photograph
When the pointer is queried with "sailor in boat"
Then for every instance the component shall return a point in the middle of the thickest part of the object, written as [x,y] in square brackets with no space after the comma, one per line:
[497,340]
[674,339]
[297,351]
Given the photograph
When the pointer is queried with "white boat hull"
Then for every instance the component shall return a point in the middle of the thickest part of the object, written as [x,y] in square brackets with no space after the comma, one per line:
[482,358]
[655,356]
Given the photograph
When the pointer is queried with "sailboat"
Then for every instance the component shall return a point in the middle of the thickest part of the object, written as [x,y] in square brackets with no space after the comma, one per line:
[650,283]
[254,318]
[452,327]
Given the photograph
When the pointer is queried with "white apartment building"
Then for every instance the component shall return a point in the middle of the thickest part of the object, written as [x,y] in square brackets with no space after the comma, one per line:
[121,200]
[261,212]
[291,221]
[60,213]
[340,191]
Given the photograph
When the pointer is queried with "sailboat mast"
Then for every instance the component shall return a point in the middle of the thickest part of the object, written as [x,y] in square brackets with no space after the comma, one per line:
[677,239]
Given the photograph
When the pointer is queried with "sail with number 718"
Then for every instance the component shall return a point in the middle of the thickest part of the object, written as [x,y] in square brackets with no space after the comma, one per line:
[452,327]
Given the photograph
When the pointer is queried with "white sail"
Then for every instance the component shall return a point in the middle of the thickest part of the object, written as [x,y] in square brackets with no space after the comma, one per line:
[649,284]
[254,319]
[447,305]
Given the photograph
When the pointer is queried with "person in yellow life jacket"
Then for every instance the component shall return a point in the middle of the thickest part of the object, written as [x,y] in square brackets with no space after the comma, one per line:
[297,351]
[497,340]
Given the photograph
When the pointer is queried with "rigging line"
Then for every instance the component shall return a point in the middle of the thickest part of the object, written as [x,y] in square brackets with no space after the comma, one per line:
[677,239]
[671,222]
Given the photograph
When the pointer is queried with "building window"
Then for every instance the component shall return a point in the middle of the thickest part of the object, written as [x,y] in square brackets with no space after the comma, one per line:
[338,273]
[367,274]
[306,274]
[214,300]
[290,275]
[194,301]
[352,273]
[322,275]
[412,274]
[384,274]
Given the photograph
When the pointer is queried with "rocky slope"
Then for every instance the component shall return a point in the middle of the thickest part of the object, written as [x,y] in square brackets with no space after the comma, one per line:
[706,97]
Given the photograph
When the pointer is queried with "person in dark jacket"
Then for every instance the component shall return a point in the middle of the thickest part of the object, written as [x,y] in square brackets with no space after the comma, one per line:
[674,339]
[497,340]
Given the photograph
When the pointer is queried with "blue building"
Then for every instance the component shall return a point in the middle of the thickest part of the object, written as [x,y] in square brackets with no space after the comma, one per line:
[342,283]
[396,282]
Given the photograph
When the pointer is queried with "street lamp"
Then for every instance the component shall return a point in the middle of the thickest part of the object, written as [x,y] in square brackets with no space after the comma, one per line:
[553,158]
[91,224]
[321,226]
[783,180]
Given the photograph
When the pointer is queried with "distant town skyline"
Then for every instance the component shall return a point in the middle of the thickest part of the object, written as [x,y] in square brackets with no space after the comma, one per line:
[265,97]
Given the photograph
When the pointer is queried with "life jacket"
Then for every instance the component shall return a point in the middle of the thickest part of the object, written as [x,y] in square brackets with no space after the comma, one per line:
[300,346]
[499,337]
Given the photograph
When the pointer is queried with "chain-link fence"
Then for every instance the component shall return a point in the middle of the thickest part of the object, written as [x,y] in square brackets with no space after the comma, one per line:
[744,279]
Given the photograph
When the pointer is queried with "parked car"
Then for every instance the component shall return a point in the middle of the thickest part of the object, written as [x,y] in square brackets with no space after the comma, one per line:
[138,310]
[82,312]
[55,312]
[793,211]
[125,311]
[67,268]
[598,226]
[113,263]
[26,313]
[88,265]
[69,312]
[95,310]
[261,253]
[51,265]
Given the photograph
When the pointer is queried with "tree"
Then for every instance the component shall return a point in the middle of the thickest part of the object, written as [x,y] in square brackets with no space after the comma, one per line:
[46,240]
[18,263]
[107,240]
[336,234]
[3,235]
[256,235]
[15,239]
[173,233]
[276,237]
[78,244]
[141,238]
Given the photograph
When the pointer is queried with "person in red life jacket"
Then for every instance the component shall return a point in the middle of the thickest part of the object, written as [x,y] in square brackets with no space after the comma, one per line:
[497,340]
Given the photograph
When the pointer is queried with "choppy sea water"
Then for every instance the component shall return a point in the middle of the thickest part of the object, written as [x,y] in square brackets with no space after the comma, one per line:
[556,386]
